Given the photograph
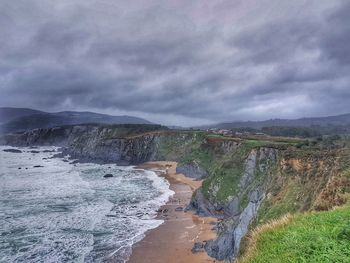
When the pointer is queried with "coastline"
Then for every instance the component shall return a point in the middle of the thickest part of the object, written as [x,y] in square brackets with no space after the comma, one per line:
[172,241]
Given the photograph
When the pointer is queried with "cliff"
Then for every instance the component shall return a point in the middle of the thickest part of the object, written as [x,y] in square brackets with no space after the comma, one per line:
[247,182]
[94,142]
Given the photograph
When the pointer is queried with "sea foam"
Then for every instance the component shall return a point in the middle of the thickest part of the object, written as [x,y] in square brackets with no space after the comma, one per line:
[63,212]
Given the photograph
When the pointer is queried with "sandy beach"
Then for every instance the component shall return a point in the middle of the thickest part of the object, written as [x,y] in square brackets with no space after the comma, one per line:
[172,241]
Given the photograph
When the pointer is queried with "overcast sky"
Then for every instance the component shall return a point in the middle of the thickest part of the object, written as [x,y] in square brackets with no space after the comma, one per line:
[177,62]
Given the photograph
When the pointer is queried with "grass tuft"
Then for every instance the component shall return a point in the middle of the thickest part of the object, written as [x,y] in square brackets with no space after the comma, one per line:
[310,237]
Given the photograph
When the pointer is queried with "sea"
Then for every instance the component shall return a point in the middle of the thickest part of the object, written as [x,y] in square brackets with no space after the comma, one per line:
[55,210]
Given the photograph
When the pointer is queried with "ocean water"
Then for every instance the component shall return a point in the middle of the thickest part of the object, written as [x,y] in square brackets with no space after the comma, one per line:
[65,212]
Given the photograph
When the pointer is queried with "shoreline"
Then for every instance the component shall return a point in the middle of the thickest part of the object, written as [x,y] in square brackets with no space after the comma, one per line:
[172,241]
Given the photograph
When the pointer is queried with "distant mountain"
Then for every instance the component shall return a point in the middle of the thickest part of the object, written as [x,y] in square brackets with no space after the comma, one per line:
[9,114]
[339,120]
[20,119]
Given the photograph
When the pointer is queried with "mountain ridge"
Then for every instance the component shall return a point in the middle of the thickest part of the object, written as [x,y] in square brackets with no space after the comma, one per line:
[342,119]
[22,119]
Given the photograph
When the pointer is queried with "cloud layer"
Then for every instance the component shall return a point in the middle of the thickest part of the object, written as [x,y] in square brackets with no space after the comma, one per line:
[177,62]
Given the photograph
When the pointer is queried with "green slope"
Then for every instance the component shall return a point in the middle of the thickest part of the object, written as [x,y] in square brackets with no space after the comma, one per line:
[312,237]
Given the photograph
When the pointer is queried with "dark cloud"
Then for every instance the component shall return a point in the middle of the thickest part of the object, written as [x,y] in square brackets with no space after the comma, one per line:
[177,62]
[335,41]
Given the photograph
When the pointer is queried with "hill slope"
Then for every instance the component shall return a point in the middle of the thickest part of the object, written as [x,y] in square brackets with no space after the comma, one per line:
[8,114]
[343,119]
[308,237]
[20,119]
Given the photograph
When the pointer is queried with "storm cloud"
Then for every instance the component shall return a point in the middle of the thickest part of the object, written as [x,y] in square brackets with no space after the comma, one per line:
[177,62]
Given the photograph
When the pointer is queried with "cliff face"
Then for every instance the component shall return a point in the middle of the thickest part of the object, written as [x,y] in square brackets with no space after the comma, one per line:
[238,210]
[306,179]
[91,143]
[119,150]
[55,136]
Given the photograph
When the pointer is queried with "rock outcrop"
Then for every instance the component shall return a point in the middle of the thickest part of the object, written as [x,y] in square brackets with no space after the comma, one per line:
[238,212]
[12,150]
[192,169]
[119,150]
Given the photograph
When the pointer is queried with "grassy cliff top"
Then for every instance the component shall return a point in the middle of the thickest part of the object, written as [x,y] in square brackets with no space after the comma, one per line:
[311,237]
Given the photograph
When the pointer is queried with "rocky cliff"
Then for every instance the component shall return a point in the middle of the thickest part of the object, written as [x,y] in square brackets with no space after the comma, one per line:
[92,143]
[247,182]
[237,210]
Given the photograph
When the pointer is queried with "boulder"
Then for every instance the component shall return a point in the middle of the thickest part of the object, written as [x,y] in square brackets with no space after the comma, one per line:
[12,150]
[197,247]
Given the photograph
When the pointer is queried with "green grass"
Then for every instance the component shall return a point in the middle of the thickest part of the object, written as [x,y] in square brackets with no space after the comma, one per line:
[217,136]
[259,141]
[182,147]
[224,174]
[263,143]
[315,237]
[224,180]
[287,203]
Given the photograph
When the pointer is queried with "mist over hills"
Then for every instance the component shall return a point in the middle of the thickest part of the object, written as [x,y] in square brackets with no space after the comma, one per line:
[21,119]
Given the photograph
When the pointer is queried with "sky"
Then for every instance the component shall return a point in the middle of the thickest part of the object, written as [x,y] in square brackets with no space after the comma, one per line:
[177,62]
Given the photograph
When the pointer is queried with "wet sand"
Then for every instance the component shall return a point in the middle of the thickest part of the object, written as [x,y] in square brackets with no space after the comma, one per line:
[172,241]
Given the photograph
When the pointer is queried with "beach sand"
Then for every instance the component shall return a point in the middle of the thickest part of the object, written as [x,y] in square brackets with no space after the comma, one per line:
[172,241]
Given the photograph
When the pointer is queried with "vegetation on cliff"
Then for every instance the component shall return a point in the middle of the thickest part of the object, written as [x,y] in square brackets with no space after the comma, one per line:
[309,183]
[222,157]
[311,237]
[308,175]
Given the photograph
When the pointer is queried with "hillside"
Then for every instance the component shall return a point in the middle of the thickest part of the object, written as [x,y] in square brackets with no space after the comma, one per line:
[250,182]
[8,114]
[337,120]
[309,237]
[18,119]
